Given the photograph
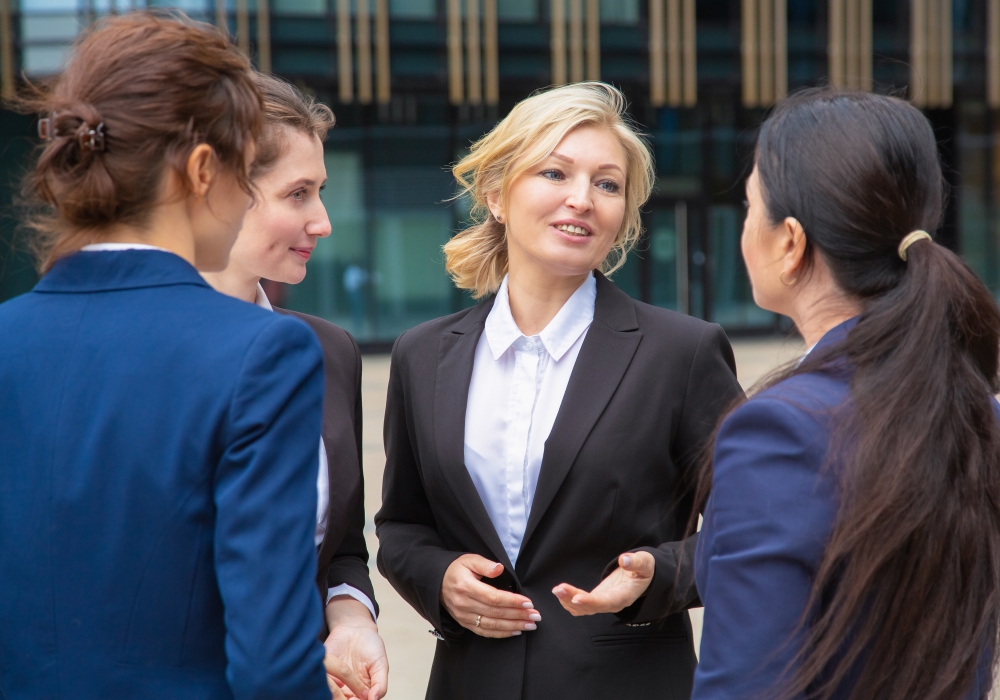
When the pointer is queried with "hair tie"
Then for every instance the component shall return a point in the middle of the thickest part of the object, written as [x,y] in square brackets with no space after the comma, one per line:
[92,139]
[910,239]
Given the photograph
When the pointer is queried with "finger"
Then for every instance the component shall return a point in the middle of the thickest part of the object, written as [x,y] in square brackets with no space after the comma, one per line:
[486,595]
[338,694]
[641,563]
[339,669]
[575,600]
[380,681]
[483,566]
[491,623]
[523,614]
[377,692]
[494,634]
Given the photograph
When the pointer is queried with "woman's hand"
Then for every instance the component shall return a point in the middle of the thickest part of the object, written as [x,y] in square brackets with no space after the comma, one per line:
[620,589]
[355,643]
[342,680]
[467,599]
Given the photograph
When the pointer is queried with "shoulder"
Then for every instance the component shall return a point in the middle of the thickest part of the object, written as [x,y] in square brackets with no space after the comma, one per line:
[333,338]
[426,336]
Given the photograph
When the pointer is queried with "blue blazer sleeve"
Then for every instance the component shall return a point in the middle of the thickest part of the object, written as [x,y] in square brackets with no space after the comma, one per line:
[766,524]
[265,495]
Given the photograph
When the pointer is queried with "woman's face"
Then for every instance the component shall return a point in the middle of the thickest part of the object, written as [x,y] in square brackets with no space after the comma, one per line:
[763,251]
[287,217]
[564,214]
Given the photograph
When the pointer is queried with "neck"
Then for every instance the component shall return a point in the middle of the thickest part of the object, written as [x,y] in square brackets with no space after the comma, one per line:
[168,228]
[234,282]
[816,316]
[536,297]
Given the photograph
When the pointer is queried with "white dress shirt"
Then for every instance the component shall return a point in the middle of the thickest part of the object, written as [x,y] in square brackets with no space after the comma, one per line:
[516,390]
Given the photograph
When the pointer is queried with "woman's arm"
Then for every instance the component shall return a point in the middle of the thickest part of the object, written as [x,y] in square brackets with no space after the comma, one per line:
[411,555]
[768,519]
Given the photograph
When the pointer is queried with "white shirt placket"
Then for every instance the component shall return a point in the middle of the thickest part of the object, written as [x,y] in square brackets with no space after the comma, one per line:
[520,407]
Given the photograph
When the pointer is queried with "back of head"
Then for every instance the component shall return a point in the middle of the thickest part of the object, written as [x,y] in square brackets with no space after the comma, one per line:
[911,574]
[476,258]
[138,94]
[286,108]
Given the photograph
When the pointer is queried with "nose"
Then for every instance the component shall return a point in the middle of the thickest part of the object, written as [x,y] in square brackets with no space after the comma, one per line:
[579,197]
[319,225]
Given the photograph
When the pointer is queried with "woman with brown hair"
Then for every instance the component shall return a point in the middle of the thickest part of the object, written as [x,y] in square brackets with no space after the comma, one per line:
[851,542]
[158,439]
[280,232]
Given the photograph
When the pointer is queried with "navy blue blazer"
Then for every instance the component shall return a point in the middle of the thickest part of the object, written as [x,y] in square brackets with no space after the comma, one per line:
[157,489]
[766,524]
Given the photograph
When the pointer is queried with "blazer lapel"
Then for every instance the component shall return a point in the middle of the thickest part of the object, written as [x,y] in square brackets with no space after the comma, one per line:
[451,395]
[607,351]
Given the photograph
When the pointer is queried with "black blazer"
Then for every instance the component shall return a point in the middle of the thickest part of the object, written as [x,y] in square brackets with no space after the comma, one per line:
[644,397]
[343,555]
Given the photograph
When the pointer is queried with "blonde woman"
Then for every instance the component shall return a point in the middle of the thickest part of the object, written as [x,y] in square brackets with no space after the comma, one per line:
[541,440]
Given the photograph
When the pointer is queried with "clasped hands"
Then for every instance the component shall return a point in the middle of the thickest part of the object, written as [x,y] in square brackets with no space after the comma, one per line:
[489,612]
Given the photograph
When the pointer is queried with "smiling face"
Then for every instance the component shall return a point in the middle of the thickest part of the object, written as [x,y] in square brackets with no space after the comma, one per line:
[562,215]
[287,217]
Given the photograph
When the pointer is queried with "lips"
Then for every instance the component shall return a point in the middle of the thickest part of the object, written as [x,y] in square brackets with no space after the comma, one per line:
[304,253]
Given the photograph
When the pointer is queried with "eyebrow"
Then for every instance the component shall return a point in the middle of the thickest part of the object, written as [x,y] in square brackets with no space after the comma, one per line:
[605,166]
[301,182]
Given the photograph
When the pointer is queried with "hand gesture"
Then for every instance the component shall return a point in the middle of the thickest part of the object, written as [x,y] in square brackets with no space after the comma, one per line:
[354,641]
[480,607]
[342,679]
[620,589]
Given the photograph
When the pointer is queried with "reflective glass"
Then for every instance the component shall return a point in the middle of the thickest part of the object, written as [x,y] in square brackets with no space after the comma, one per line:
[620,11]
[518,10]
[732,297]
[412,9]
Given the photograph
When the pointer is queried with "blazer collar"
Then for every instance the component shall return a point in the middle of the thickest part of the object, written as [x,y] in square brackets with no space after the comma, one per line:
[106,271]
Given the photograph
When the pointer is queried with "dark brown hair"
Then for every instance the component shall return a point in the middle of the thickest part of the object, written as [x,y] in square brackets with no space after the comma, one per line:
[906,601]
[155,85]
[285,107]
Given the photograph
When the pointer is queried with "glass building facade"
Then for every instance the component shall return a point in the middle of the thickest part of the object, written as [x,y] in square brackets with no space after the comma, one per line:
[414,82]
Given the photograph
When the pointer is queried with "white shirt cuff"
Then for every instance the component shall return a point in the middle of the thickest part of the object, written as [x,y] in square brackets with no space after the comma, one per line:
[344,589]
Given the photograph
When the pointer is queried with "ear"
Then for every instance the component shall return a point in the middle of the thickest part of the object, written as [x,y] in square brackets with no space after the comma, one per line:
[493,202]
[794,243]
[202,169]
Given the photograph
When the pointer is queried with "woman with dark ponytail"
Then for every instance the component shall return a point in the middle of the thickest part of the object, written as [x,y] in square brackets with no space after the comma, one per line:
[851,541]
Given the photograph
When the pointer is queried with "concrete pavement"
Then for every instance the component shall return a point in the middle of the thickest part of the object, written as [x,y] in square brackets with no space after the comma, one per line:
[408,643]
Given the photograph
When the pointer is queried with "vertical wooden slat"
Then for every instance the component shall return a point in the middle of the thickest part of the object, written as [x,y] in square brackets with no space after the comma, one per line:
[491,54]
[993,55]
[780,48]
[575,41]
[749,53]
[945,41]
[674,73]
[263,36]
[221,19]
[765,39]
[657,75]
[593,40]
[456,78]
[345,56]
[690,48]
[865,45]
[933,64]
[836,42]
[242,26]
[364,34]
[473,53]
[558,42]
[918,52]
[383,73]
[852,45]
[6,52]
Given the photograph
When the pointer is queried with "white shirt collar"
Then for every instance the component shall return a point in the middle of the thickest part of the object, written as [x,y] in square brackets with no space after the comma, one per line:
[573,319]
[261,299]
[99,247]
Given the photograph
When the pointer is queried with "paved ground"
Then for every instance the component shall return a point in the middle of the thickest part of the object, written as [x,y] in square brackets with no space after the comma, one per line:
[410,646]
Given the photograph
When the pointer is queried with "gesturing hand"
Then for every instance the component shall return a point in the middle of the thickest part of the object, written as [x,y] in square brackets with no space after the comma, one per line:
[354,641]
[469,600]
[620,589]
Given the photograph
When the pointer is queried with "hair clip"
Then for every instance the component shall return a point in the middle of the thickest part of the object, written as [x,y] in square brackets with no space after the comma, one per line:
[93,139]
[44,129]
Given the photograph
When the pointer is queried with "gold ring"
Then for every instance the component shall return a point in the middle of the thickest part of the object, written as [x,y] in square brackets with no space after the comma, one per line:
[479,620]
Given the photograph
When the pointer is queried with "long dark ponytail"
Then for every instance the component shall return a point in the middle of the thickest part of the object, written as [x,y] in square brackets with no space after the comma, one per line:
[906,602]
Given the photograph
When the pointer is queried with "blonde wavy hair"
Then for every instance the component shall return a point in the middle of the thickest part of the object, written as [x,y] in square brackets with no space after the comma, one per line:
[476,258]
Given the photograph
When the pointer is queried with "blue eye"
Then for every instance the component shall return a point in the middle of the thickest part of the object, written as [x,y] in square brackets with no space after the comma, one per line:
[298,195]
[552,174]
[609,186]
